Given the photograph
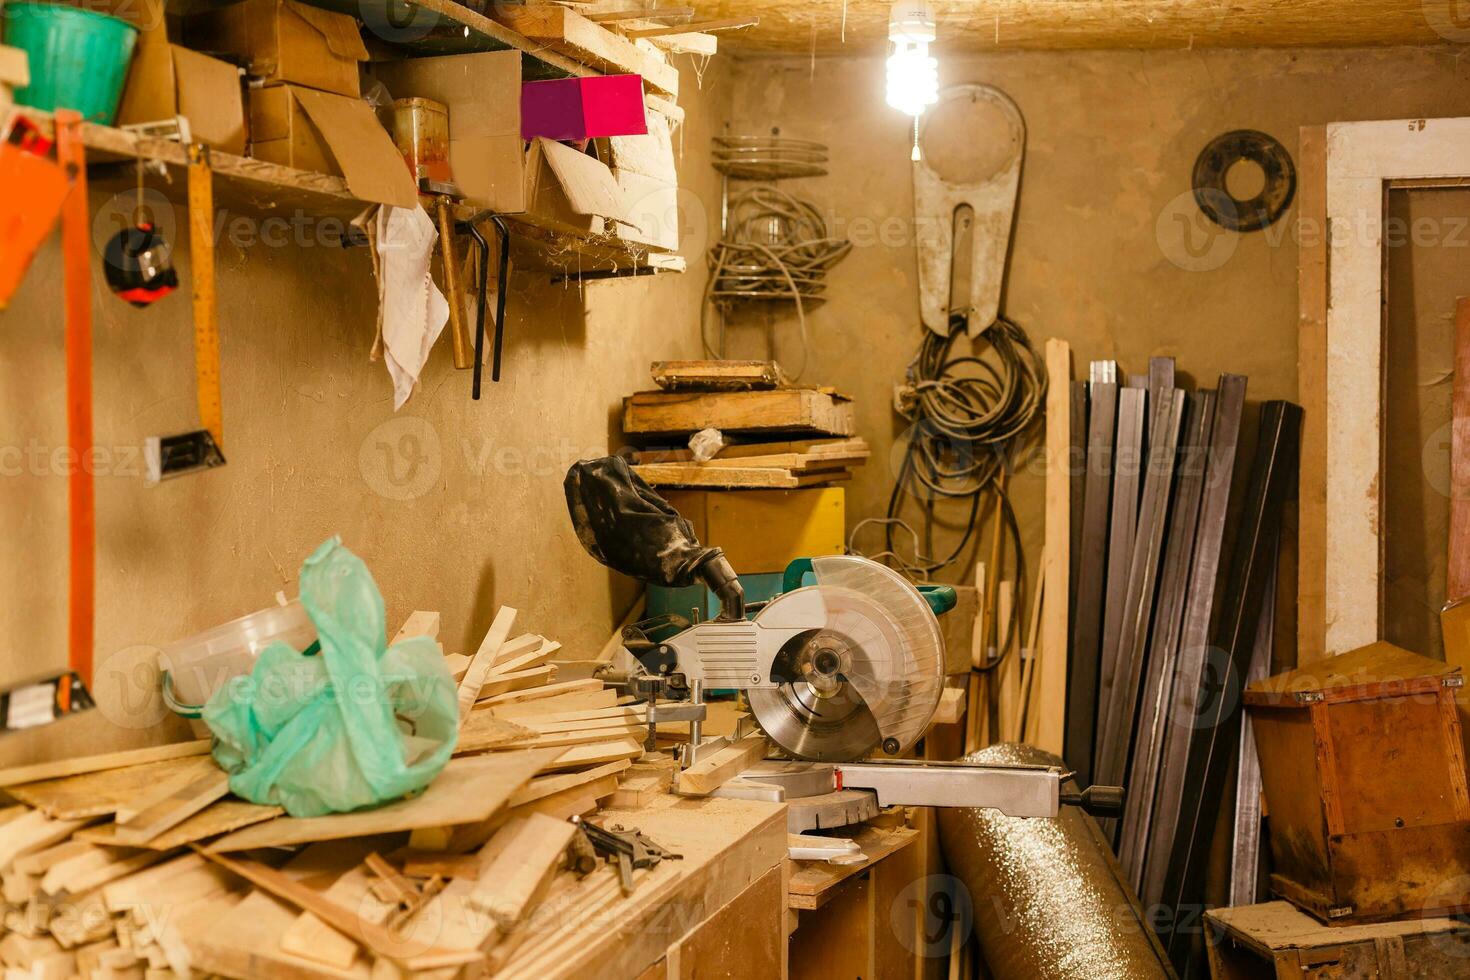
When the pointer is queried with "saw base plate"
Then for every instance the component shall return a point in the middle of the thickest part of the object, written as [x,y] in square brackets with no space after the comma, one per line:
[812,800]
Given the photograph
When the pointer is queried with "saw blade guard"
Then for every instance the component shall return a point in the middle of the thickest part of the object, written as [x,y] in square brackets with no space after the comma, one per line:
[898,662]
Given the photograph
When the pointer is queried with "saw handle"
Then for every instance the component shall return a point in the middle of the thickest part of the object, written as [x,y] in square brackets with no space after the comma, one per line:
[941,598]
[1099,801]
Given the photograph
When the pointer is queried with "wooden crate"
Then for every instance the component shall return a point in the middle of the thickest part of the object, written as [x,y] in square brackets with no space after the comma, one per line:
[1363,770]
[1274,941]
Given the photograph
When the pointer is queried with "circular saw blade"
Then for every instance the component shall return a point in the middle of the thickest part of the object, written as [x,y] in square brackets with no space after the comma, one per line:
[818,710]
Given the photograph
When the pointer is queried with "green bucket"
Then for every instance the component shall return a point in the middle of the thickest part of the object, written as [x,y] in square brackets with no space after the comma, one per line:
[79,58]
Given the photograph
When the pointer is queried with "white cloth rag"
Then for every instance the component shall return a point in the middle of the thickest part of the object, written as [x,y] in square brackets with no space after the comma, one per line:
[412,309]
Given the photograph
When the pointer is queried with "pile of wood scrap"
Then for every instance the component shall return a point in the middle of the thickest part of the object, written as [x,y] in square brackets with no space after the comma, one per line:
[771,435]
[140,864]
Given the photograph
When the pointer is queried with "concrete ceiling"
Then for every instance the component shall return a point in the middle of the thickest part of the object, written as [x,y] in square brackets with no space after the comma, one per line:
[829,27]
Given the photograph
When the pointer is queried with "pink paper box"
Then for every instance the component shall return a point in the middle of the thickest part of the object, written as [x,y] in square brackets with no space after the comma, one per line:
[579,108]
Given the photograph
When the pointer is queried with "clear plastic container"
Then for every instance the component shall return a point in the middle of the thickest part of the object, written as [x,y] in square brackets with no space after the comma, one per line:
[199,666]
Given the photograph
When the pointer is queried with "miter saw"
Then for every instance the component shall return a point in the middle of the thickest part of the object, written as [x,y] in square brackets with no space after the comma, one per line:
[847,662]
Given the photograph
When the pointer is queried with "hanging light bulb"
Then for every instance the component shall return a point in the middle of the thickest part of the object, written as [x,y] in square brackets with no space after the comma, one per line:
[913,74]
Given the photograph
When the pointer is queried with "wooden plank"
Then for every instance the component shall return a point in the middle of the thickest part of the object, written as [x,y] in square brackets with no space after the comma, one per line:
[1052,706]
[580,700]
[419,623]
[703,27]
[522,871]
[525,661]
[96,794]
[544,786]
[741,453]
[484,659]
[213,821]
[483,731]
[743,478]
[795,463]
[714,771]
[160,813]
[574,35]
[1311,203]
[595,735]
[793,410]
[496,684]
[371,935]
[586,685]
[649,13]
[729,375]
[16,775]
[513,649]
[33,831]
[1457,574]
[594,754]
[812,882]
[468,790]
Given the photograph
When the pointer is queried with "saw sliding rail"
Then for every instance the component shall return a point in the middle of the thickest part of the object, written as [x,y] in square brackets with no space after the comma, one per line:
[1014,790]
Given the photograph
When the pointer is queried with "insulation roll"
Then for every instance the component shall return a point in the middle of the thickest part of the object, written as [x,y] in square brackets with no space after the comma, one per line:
[1049,901]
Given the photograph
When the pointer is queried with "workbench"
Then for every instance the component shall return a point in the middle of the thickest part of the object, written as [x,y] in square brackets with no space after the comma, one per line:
[720,905]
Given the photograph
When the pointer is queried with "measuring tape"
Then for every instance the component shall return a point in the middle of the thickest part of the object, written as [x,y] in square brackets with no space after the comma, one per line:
[206,325]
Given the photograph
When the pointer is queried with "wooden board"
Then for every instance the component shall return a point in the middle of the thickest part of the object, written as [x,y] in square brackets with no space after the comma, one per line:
[484,659]
[214,820]
[522,870]
[595,754]
[95,794]
[16,775]
[468,790]
[717,769]
[739,478]
[731,375]
[1457,574]
[172,807]
[575,36]
[1311,203]
[784,454]
[790,410]
[544,786]
[1052,703]
[586,685]
[812,882]
[483,730]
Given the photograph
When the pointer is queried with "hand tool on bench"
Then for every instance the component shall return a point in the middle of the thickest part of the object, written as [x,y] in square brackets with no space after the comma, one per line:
[191,452]
[628,849]
[46,699]
[834,671]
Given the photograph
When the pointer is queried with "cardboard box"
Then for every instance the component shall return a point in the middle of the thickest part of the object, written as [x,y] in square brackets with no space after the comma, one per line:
[644,168]
[569,191]
[333,134]
[285,41]
[167,80]
[482,92]
[583,108]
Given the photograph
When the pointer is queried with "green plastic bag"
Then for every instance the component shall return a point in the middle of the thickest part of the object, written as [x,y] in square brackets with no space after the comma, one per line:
[358,725]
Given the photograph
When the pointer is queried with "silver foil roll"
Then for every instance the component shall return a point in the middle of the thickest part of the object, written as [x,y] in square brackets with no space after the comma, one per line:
[1048,899]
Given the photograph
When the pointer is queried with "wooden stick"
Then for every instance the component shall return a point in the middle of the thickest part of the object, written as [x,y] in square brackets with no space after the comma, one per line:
[700,27]
[523,870]
[16,775]
[1029,667]
[615,642]
[419,623]
[714,771]
[484,659]
[175,805]
[1457,575]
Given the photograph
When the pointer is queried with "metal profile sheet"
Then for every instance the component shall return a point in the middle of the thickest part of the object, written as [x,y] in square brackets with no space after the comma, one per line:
[1127,467]
[1084,661]
[1215,737]
[1164,642]
[1204,578]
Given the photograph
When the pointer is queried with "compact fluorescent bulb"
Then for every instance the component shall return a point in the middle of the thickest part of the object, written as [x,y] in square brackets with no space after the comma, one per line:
[913,74]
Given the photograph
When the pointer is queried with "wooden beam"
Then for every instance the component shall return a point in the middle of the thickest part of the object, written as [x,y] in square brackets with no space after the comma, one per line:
[33,832]
[497,684]
[469,789]
[572,34]
[714,771]
[16,775]
[1457,574]
[520,874]
[639,13]
[1052,706]
[483,660]
[595,754]
[372,936]
[544,786]
[170,808]
[700,27]
[1311,204]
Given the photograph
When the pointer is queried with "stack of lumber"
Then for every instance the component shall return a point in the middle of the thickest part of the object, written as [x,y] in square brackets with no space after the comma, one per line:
[778,436]
[782,465]
[140,864]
